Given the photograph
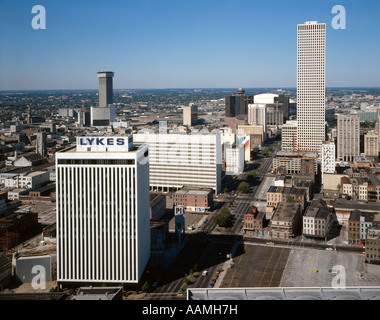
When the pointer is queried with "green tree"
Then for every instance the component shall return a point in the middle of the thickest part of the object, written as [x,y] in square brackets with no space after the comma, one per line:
[145,286]
[338,187]
[243,187]
[222,218]
[290,200]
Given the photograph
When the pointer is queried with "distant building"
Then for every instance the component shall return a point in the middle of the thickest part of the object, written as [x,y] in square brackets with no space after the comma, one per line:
[238,104]
[371,144]
[105,113]
[190,115]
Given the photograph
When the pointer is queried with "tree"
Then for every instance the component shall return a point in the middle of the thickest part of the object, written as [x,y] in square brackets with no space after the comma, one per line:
[243,187]
[222,218]
[338,187]
[290,200]
[145,286]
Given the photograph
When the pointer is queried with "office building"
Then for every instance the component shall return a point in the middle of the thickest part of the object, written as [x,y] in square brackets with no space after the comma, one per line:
[234,157]
[289,136]
[190,115]
[371,144]
[348,137]
[328,157]
[105,113]
[237,104]
[180,159]
[41,146]
[103,223]
[277,102]
[257,115]
[105,88]
[311,86]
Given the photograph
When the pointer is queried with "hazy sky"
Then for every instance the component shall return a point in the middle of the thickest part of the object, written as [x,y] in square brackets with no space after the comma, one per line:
[181,43]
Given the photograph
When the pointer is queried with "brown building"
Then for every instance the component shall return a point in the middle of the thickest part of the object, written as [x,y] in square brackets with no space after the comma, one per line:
[253,221]
[354,227]
[286,221]
[195,200]
[275,195]
[372,245]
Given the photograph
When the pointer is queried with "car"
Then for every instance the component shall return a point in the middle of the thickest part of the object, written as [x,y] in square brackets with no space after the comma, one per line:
[314,270]
[210,285]
[270,243]
[205,273]
[329,249]
[155,284]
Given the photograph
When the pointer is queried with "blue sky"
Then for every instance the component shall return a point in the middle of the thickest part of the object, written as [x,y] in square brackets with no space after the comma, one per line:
[181,43]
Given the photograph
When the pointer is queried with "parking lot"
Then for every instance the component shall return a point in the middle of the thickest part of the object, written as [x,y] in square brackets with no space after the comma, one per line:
[256,266]
[351,266]
[281,266]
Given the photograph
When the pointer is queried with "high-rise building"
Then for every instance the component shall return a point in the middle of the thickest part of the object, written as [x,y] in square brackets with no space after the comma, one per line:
[180,159]
[257,114]
[237,104]
[105,113]
[311,86]
[103,223]
[328,157]
[41,147]
[348,137]
[371,144]
[190,115]
[289,136]
[105,88]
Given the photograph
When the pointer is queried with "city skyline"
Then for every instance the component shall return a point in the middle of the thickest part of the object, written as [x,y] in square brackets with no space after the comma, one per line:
[208,48]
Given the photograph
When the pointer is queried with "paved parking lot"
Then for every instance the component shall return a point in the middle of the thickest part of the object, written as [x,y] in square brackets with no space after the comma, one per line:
[256,266]
[298,271]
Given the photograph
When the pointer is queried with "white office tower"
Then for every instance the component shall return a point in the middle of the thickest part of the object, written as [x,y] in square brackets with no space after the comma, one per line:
[328,157]
[103,224]
[234,156]
[257,115]
[289,136]
[180,159]
[311,86]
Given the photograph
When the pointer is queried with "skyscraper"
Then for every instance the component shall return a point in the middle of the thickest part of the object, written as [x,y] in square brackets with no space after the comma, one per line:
[103,219]
[311,53]
[105,88]
[105,113]
[237,104]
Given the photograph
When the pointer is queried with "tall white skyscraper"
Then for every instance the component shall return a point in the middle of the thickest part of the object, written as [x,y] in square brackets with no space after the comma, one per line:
[103,220]
[311,54]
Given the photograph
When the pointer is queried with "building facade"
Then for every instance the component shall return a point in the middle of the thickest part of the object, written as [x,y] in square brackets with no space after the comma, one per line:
[180,159]
[348,137]
[311,56]
[103,223]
